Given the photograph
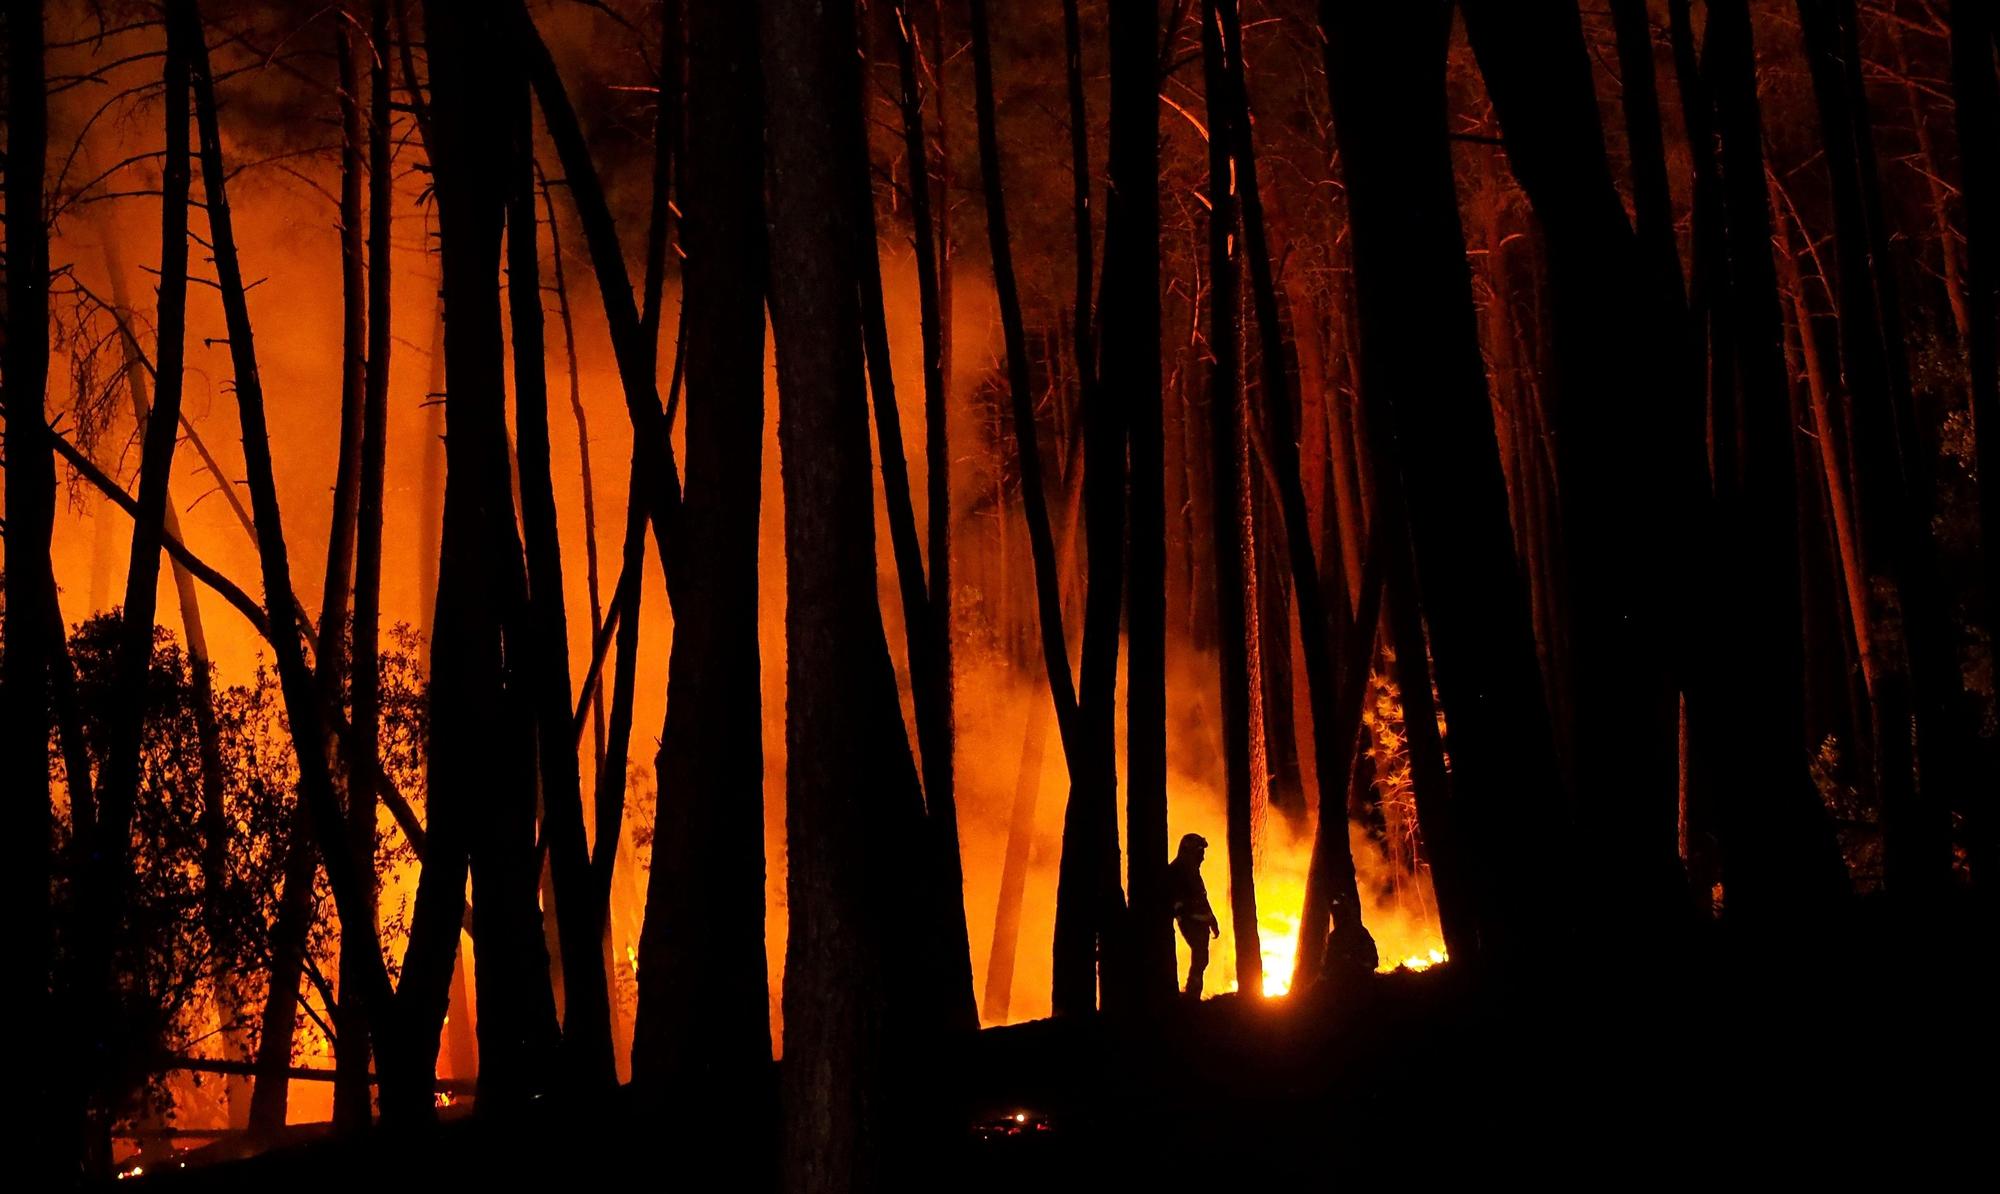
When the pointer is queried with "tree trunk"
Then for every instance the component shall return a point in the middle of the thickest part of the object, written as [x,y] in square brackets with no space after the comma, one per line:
[1612,327]
[1975,34]
[703,1035]
[588,1065]
[365,683]
[930,687]
[1333,736]
[214,816]
[1074,978]
[1132,366]
[1430,431]
[351,1110]
[481,763]
[1779,857]
[108,885]
[1226,430]
[636,355]
[1916,772]
[855,1000]
[30,589]
[940,780]
[303,710]
[583,467]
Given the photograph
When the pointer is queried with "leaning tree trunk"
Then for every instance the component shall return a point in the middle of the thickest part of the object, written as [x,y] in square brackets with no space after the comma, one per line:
[1227,512]
[853,1003]
[1075,986]
[1333,734]
[703,1036]
[1890,471]
[109,872]
[1430,431]
[930,688]
[940,779]
[303,709]
[482,718]
[214,815]
[30,589]
[587,1062]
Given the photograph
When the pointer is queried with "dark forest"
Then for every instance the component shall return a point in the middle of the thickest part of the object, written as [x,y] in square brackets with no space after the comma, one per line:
[837,595]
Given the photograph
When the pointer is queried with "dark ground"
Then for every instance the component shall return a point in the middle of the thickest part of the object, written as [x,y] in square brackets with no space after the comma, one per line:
[1875,1062]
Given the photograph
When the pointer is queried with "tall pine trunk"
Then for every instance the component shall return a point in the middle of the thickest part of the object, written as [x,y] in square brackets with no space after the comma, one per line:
[854,996]
[704,1023]
[1229,521]
[1430,434]
[1779,857]
[1975,38]
[1132,365]
[31,612]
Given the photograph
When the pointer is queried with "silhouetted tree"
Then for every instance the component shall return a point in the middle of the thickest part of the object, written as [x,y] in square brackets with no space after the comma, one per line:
[703,1035]
[854,994]
[1436,463]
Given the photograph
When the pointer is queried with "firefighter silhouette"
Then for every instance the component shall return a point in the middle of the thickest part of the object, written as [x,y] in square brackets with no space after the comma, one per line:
[1191,911]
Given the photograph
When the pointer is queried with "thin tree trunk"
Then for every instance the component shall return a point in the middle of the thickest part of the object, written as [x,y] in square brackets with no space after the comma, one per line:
[583,467]
[214,817]
[703,1036]
[940,779]
[1975,38]
[304,711]
[636,355]
[588,1065]
[1131,368]
[1226,430]
[929,685]
[1332,738]
[482,716]
[350,1091]
[1074,980]
[1890,474]
[108,883]
[1639,96]
[365,683]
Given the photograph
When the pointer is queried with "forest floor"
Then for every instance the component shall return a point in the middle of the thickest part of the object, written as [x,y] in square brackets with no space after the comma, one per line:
[1872,1059]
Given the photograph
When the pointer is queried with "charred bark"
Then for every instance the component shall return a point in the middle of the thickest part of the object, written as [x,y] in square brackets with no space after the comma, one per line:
[1608,311]
[1779,857]
[33,622]
[587,1063]
[1430,434]
[1916,772]
[853,1002]
[703,1034]
[1131,365]
[481,763]
[1226,432]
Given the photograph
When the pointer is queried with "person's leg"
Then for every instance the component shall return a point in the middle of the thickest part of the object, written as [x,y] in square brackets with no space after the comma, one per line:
[1197,963]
